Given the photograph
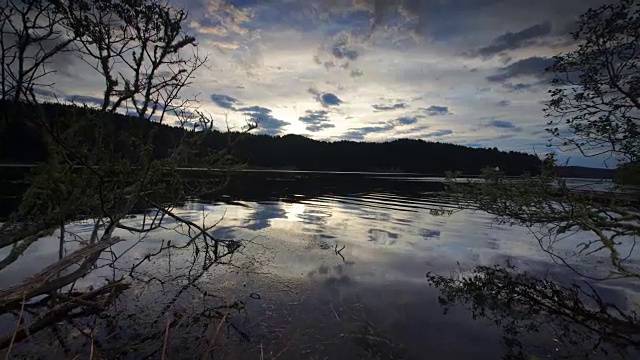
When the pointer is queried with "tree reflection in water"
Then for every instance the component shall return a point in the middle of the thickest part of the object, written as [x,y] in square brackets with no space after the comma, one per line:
[581,323]
[165,311]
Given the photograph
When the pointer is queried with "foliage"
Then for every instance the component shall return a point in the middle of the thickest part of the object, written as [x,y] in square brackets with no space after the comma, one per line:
[595,104]
[100,165]
[581,322]
[629,173]
[594,109]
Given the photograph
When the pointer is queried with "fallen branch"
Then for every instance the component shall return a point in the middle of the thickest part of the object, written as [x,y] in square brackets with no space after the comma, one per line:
[64,310]
[42,282]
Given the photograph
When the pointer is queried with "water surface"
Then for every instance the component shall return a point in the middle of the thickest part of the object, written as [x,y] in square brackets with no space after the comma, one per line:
[332,267]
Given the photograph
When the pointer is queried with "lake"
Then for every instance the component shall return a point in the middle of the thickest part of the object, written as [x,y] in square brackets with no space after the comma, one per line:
[331,266]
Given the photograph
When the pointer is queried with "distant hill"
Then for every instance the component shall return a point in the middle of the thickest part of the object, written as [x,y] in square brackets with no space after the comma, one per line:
[21,142]
[585,172]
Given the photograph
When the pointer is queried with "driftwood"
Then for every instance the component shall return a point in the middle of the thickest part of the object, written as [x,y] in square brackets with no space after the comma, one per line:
[66,309]
[47,280]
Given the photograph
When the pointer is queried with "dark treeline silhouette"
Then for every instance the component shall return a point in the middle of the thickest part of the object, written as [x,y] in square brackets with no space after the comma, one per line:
[21,143]
[585,172]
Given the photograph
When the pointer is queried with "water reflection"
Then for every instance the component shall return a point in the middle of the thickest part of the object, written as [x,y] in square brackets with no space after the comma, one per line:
[583,319]
[284,292]
[383,237]
[429,234]
[262,215]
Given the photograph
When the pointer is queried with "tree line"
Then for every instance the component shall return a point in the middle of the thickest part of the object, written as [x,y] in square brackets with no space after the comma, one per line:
[22,143]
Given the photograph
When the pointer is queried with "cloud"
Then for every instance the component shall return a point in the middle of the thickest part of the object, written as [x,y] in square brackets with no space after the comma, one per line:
[341,49]
[514,41]
[414,130]
[189,125]
[533,66]
[360,133]
[224,101]
[50,95]
[435,110]
[503,124]
[316,120]
[385,126]
[380,107]
[326,99]
[276,49]
[329,99]
[407,120]
[267,124]
[220,18]
[84,99]
[438,133]
[513,87]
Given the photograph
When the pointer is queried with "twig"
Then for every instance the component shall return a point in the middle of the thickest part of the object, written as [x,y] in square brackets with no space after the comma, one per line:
[63,311]
[339,252]
[217,330]
[280,353]
[15,332]
[334,311]
[166,338]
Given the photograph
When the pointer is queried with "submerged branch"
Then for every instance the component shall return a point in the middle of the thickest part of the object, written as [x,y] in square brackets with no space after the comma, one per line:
[46,280]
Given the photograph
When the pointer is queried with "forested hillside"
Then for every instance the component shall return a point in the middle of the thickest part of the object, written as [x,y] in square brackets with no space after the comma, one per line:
[22,143]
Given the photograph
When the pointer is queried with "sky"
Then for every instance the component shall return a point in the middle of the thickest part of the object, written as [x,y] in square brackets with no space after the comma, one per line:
[468,72]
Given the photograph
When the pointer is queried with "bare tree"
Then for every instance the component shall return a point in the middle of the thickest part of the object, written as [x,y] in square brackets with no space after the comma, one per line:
[141,51]
[32,33]
[95,170]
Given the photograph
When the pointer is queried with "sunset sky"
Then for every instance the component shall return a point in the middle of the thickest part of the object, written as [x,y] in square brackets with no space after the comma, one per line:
[468,72]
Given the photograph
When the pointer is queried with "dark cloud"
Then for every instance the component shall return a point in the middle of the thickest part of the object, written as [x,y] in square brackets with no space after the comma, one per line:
[495,138]
[316,120]
[326,99]
[382,107]
[255,108]
[341,51]
[503,124]
[503,103]
[437,133]
[50,95]
[224,101]
[407,120]
[244,3]
[435,110]
[84,99]
[413,130]
[522,86]
[533,66]
[189,125]
[513,41]
[386,126]
[329,99]
[360,133]
[267,124]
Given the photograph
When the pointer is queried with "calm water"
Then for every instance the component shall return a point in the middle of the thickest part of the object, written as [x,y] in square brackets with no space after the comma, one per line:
[331,268]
